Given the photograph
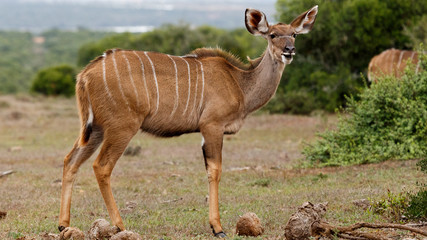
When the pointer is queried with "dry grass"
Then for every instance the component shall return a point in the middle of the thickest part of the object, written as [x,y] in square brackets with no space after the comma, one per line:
[167,183]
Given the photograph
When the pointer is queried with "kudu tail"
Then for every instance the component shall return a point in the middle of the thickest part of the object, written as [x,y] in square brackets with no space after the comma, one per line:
[85,110]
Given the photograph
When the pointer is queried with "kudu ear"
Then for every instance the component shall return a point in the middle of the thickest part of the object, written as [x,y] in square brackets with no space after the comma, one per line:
[256,22]
[304,22]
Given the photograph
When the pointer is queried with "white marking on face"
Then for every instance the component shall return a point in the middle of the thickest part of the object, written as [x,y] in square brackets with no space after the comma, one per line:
[155,80]
[176,86]
[143,78]
[118,78]
[131,78]
[189,86]
[203,84]
[285,60]
[104,77]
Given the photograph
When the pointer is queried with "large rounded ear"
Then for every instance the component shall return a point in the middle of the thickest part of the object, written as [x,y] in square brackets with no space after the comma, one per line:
[256,22]
[304,22]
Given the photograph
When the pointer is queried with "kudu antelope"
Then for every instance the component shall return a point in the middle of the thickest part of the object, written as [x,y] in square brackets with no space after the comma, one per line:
[208,91]
[391,62]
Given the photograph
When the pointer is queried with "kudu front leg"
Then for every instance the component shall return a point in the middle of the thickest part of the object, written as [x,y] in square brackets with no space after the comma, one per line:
[212,148]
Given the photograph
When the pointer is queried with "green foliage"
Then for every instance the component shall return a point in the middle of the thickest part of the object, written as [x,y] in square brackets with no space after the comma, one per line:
[389,122]
[417,32]
[58,80]
[331,57]
[417,208]
[262,182]
[62,46]
[177,40]
[393,206]
[15,61]
[21,57]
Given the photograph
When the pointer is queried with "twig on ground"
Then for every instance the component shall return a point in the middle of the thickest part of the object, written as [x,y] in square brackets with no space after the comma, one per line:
[2,174]
[324,228]
[308,222]
[173,200]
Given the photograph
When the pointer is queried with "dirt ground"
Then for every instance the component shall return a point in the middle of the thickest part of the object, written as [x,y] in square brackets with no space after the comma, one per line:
[162,190]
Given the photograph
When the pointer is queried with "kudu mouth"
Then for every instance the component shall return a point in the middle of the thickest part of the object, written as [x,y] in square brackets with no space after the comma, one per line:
[287,56]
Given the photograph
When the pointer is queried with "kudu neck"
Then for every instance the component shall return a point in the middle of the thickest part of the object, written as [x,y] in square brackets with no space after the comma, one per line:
[260,84]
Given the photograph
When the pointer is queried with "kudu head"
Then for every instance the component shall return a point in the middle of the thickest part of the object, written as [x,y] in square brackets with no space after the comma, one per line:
[280,37]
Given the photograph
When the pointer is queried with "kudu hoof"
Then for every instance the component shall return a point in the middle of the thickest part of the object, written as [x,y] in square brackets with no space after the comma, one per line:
[61,228]
[220,235]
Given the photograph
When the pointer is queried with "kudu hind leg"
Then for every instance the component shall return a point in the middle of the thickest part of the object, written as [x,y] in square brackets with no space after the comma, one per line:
[212,149]
[112,149]
[77,156]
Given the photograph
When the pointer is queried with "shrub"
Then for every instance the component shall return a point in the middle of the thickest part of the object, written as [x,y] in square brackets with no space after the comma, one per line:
[388,122]
[57,80]
[417,208]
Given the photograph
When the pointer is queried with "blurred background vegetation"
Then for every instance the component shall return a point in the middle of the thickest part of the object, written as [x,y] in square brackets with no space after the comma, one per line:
[330,63]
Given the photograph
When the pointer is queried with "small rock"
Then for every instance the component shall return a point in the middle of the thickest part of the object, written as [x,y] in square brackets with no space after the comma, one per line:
[126,235]
[101,229]
[132,151]
[15,149]
[71,233]
[2,214]
[130,207]
[249,225]
[362,203]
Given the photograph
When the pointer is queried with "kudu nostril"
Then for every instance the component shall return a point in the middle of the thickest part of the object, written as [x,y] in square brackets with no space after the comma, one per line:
[289,49]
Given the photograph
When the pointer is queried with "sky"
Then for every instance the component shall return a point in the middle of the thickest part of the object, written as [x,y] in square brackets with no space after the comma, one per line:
[40,15]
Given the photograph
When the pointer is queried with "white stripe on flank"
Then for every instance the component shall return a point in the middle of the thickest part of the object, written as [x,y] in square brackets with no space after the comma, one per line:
[175,106]
[143,78]
[104,76]
[155,80]
[118,78]
[203,84]
[90,118]
[195,91]
[400,59]
[412,56]
[189,86]
[131,79]
[392,61]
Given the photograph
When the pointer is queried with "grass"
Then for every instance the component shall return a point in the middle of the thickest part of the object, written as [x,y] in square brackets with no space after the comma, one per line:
[168,183]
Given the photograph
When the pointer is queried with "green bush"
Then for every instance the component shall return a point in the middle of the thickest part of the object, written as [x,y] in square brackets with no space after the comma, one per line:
[388,122]
[331,57]
[57,80]
[417,208]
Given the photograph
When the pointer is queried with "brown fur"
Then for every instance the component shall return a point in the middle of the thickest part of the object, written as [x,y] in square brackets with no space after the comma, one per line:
[210,92]
[391,62]
[229,57]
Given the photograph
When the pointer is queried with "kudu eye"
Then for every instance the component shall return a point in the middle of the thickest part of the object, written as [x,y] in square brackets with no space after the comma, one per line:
[294,35]
[272,35]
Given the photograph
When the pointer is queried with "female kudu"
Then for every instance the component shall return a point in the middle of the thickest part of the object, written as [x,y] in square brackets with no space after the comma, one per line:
[208,91]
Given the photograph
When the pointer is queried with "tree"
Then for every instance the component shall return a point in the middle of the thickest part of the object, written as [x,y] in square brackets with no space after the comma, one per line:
[57,80]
